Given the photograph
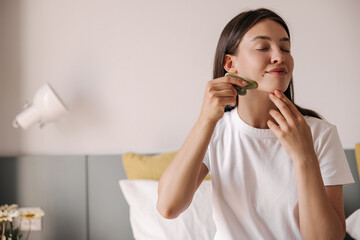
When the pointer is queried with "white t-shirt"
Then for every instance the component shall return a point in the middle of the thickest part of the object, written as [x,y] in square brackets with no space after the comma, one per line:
[253,179]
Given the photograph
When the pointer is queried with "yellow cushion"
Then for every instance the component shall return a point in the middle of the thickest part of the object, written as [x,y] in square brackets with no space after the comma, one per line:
[357,154]
[138,166]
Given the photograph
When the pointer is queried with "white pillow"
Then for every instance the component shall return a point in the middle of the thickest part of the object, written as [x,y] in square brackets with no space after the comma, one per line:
[353,224]
[146,222]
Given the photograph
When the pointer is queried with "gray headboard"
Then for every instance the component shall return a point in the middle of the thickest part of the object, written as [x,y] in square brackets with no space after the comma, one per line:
[108,209]
[81,196]
[352,191]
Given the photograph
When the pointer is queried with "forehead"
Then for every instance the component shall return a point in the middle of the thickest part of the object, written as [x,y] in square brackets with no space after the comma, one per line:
[268,28]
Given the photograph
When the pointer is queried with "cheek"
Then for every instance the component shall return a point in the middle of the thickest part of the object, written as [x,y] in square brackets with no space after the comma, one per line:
[250,64]
[290,64]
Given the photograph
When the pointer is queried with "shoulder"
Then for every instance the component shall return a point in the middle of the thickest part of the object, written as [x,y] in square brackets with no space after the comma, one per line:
[324,133]
[319,126]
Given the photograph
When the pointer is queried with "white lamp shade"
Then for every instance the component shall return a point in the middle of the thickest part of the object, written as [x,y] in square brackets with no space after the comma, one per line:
[46,107]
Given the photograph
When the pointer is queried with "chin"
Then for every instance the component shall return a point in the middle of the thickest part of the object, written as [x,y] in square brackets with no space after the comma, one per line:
[272,88]
[271,85]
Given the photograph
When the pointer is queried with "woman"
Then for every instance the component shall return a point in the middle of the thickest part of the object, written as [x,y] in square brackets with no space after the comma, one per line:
[277,170]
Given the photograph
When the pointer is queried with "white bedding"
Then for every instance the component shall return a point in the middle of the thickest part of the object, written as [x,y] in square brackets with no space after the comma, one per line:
[194,223]
[353,224]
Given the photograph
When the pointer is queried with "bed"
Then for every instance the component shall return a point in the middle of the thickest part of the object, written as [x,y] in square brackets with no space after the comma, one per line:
[140,191]
[82,198]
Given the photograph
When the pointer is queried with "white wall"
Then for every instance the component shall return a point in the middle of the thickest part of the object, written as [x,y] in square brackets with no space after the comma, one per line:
[132,73]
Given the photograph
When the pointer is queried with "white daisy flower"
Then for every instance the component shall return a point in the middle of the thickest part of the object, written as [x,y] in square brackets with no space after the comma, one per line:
[8,208]
[31,213]
[7,213]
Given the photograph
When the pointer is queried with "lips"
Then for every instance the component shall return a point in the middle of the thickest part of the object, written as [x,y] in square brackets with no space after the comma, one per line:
[277,71]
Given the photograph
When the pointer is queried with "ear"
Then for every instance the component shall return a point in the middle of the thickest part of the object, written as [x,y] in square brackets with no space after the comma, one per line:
[229,65]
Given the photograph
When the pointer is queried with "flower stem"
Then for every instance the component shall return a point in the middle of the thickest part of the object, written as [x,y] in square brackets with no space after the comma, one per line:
[3,230]
[28,234]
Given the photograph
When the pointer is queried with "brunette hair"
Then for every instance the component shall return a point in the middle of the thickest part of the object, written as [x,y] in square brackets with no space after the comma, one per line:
[231,37]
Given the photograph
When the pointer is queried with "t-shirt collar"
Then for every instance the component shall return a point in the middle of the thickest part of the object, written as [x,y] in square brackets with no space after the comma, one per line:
[248,129]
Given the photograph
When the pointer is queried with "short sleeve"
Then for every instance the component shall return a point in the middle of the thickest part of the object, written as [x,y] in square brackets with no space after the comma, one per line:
[206,159]
[334,166]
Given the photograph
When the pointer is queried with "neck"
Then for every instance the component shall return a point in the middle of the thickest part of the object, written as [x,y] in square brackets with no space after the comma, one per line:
[253,108]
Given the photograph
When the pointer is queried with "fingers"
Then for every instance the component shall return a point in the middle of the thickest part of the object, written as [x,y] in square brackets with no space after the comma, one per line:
[291,129]
[230,80]
[223,97]
[220,94]
[286,115]
[225,88]
[226,85]
[279,95]
[275,128]
[279,118]
[223,101]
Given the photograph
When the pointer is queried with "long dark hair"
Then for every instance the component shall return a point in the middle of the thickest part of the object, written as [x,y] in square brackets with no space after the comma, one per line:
[231,37]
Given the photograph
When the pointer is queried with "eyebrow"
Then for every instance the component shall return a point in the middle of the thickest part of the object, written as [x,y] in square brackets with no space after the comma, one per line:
[284,39]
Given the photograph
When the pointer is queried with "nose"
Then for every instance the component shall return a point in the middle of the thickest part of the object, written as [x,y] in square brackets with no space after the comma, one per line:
[277,57]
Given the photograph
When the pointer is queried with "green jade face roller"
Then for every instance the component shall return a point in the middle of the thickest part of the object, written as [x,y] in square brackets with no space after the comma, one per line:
[242,90]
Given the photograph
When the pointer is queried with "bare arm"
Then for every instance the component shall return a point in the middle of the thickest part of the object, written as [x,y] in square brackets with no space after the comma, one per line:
[179,181]
[321,211]
[185,173]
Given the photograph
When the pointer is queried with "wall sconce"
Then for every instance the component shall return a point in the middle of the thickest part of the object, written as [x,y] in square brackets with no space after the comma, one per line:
[46,107]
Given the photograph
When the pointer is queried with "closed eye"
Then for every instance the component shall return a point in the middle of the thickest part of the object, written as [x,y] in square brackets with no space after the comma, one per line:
[262,49]
[266,49]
